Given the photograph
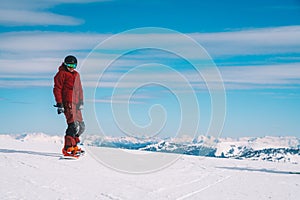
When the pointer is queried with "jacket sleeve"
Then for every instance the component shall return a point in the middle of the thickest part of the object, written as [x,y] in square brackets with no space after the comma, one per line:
[80,90]
[58,85]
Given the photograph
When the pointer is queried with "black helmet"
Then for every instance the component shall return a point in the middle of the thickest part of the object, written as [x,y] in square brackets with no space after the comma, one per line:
[70,60]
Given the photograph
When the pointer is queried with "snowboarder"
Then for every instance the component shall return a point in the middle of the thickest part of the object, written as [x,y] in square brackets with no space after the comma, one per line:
[68,95]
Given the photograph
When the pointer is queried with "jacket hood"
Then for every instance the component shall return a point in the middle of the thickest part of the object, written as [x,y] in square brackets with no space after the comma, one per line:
[62,67]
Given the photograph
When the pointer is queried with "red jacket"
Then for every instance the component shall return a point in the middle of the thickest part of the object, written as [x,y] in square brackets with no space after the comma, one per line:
[67,86]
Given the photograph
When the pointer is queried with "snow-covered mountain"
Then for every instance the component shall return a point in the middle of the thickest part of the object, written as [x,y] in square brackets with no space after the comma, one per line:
[285,149]
[277,149]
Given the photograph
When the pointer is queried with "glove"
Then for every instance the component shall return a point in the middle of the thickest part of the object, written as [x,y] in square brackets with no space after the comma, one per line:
[79,106]
[60,108]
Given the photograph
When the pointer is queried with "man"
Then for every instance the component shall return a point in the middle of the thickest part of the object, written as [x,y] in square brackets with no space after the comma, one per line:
[68,95]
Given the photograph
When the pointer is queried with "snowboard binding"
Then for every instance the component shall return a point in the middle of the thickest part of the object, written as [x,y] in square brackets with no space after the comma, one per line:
[73,151]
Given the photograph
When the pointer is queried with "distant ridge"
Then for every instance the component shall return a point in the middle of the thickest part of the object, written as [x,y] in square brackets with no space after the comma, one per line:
[269,148]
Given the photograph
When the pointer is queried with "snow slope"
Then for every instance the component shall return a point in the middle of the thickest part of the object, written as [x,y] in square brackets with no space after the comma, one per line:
[30,168]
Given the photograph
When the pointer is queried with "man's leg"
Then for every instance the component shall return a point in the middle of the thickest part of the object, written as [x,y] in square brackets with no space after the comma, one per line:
[81,130]
[72,129]
[81,125]
[70,138]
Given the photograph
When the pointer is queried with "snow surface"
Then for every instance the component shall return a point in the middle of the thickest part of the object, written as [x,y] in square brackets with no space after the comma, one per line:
[31,168]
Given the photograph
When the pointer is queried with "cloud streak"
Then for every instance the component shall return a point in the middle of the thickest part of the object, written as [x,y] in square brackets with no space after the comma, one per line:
[284,76]
[280,76]
[244,42]
[26,54]
[34,13]
[34,18]
[253,41]
[243,77]
[20,42]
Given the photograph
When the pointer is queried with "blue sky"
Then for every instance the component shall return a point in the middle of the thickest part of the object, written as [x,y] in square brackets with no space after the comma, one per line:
[254,44]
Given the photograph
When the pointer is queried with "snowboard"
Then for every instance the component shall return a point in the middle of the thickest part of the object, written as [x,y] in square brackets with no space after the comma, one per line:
[63,157]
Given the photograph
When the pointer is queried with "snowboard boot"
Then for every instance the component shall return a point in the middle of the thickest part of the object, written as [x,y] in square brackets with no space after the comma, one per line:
[70,151]
[69,146]
[78,144]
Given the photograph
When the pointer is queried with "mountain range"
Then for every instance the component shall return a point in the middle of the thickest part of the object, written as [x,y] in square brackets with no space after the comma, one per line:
[269,148]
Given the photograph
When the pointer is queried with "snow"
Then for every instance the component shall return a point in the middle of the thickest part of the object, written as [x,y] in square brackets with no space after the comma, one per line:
[31,169]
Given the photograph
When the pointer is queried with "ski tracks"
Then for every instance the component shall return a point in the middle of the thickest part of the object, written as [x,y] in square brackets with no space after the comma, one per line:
[186,196]
[108,196]
[190,189]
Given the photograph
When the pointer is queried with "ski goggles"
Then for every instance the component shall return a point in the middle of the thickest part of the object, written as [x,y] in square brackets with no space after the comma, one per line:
[71,65]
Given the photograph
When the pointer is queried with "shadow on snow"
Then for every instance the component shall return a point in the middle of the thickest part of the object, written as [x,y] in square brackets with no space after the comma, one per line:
[259,170]
[30,152]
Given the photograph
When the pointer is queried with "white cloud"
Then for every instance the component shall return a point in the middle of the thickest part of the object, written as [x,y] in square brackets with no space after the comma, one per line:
[245,42]
[233,77]
[28,66]
[34,12]
[253,41]
[21,42]
[30,18]
[25,83]
[266,76]
[30,53]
